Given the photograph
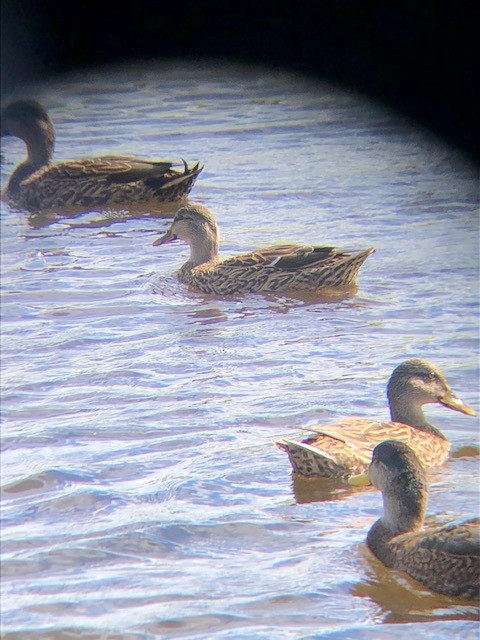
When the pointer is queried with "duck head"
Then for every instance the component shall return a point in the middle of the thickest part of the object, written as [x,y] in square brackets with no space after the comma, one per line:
[196,226]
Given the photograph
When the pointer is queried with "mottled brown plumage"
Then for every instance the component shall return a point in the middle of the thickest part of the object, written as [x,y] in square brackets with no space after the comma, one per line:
[445,559]
[37,184]
[340,450]
[273,269]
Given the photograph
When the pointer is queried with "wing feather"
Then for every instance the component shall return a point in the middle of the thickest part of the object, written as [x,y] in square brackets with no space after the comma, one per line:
[289,257]
[112,169]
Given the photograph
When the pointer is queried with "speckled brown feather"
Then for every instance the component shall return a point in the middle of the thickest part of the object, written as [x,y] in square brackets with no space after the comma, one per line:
[453,551]
[105,181]
[276,269]
[281,268]
[345,449]
[37,184]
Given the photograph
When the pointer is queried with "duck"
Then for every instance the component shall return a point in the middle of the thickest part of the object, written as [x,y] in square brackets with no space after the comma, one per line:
[281,268]
[444,559]
[344,449]
[38,184]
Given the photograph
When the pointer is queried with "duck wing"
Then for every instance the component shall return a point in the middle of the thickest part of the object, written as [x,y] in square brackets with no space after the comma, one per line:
[333,452]
[121,169]
[154,174]
[345,448]
[359,434]
[289,257]
[457,539]
[105,181]
[446,559]
[114,169]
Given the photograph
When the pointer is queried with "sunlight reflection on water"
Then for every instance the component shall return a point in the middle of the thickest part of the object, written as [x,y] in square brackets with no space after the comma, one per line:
[142,494]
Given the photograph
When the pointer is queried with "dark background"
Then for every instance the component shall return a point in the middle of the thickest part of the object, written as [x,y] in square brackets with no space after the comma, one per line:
[419,57]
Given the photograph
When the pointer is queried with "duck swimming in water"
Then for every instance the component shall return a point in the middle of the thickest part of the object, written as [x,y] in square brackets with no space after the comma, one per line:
[345,448]
[38,184]
[283,268]
[445,559]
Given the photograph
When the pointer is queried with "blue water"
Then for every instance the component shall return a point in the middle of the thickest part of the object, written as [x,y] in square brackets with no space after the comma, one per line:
[142,495]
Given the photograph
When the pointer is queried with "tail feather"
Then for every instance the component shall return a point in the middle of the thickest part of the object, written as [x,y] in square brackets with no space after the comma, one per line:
[189,174]
[177,184]
[311,461]
[344,273]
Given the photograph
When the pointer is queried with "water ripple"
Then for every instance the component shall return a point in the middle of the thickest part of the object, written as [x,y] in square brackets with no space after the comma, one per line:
[142,496]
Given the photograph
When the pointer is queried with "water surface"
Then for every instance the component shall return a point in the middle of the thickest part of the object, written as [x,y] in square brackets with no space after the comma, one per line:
[142,495]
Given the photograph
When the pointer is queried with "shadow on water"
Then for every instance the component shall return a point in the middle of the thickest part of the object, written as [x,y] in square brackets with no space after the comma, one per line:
[45,481]
[466,451]
[284,302]
[308,490]
[401,599]
[103,218]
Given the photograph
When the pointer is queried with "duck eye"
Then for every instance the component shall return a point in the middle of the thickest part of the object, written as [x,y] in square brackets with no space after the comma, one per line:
[429,377]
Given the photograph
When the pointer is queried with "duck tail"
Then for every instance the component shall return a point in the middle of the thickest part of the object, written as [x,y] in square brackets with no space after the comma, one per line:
[344,273]
[310,461]
[179,183]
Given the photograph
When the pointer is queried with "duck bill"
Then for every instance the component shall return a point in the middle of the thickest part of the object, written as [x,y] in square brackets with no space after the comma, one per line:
[165,239]
[452,401]
[360,480]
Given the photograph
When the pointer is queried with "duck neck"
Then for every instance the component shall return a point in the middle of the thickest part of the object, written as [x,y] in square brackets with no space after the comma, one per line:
[403,410]
[396,521]
[39,154]
[202,252]
[404,508]
[40,146]
[378,540]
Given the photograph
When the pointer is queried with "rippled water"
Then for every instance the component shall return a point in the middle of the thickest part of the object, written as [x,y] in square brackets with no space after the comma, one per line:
[142,495]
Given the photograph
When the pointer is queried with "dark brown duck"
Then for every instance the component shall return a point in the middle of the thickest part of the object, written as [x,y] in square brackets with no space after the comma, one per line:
[38,183]
[445,559]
